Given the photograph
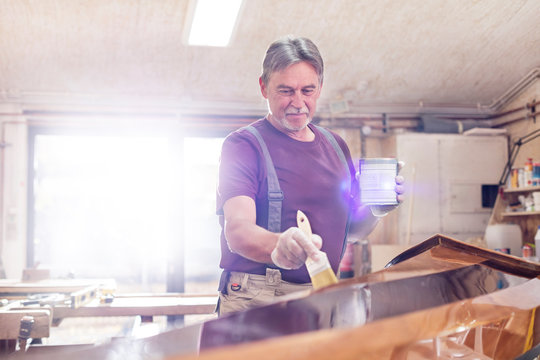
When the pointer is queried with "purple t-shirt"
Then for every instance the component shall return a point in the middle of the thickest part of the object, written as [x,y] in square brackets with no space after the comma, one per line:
[311,176]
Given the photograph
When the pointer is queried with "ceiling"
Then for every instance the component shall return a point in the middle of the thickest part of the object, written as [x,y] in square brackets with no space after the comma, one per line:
[382,55]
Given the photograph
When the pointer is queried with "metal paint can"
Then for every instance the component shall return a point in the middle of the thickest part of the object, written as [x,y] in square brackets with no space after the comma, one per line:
[377,181]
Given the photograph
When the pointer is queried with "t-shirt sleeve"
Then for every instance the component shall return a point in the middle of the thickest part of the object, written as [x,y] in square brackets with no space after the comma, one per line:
[238,169]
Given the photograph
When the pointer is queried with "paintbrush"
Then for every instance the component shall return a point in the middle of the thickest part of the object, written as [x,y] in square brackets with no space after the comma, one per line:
[319,270]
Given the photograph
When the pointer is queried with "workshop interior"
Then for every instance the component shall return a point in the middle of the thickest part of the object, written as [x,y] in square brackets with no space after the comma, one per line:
[113,115]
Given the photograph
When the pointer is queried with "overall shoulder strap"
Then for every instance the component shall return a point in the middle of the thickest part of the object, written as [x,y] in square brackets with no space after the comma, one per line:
[336,147]
[275,195]
[343,160]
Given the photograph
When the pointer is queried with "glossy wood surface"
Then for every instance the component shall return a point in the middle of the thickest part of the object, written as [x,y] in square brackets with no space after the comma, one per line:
[441,299]
[504,318]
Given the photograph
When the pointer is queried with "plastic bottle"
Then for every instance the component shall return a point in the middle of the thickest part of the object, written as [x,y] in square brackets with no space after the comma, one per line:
[346,267]
[537,243]
[514,179]
[527,252]
[536,174]
[528,172]
[521,178]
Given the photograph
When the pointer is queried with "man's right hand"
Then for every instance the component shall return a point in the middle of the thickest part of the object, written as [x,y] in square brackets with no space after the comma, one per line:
[293,248]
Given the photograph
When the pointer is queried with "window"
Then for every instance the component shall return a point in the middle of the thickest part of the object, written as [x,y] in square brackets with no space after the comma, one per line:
[202,247]
[112,206]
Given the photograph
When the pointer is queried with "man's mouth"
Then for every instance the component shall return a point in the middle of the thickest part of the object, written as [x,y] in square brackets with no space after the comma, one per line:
[296,113]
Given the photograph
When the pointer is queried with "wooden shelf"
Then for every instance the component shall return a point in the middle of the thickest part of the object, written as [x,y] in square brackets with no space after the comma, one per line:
[520,213]
[527,220]
[522,189]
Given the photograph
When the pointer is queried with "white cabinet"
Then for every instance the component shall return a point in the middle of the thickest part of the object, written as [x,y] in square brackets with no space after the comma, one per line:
[444,174]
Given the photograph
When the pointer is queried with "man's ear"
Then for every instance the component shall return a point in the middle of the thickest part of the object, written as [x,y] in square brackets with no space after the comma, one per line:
[264,90]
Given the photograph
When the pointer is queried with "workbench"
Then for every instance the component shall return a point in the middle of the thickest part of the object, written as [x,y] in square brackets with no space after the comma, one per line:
[48,302]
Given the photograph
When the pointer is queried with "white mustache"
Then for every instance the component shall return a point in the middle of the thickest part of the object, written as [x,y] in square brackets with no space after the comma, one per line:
[297,111]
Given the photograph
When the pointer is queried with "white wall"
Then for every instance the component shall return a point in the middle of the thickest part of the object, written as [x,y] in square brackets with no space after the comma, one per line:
[13,175]
[444,174]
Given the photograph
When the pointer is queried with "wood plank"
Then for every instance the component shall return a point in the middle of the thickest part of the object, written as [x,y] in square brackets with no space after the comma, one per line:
[10,323]
[143,306]
[522,189]
[521,213]
[14,286]
[169,294]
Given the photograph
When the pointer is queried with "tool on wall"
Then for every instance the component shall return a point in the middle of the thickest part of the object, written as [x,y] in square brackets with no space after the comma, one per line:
[513,154]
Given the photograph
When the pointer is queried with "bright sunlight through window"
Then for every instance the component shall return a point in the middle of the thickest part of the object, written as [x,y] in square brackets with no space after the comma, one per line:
[109,207]
[201,159]
[101,207]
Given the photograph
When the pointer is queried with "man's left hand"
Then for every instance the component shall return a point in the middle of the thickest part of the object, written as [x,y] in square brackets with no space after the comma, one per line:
[382,210]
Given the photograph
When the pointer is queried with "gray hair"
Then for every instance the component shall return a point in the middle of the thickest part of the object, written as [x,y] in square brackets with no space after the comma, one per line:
[288,51]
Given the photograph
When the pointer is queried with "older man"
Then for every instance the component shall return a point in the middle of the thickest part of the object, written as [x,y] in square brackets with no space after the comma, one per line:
[276,166]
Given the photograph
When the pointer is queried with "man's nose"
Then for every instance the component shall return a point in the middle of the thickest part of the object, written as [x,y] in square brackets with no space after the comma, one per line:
[297,100]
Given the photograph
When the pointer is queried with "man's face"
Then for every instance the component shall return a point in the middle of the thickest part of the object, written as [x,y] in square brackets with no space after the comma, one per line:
[292,96]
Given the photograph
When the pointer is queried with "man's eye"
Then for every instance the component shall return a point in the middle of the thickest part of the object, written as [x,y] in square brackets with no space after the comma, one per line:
[308,91]
[285,92]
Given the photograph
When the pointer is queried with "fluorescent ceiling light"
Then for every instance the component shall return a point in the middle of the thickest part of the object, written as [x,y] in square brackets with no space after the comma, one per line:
[213,22]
